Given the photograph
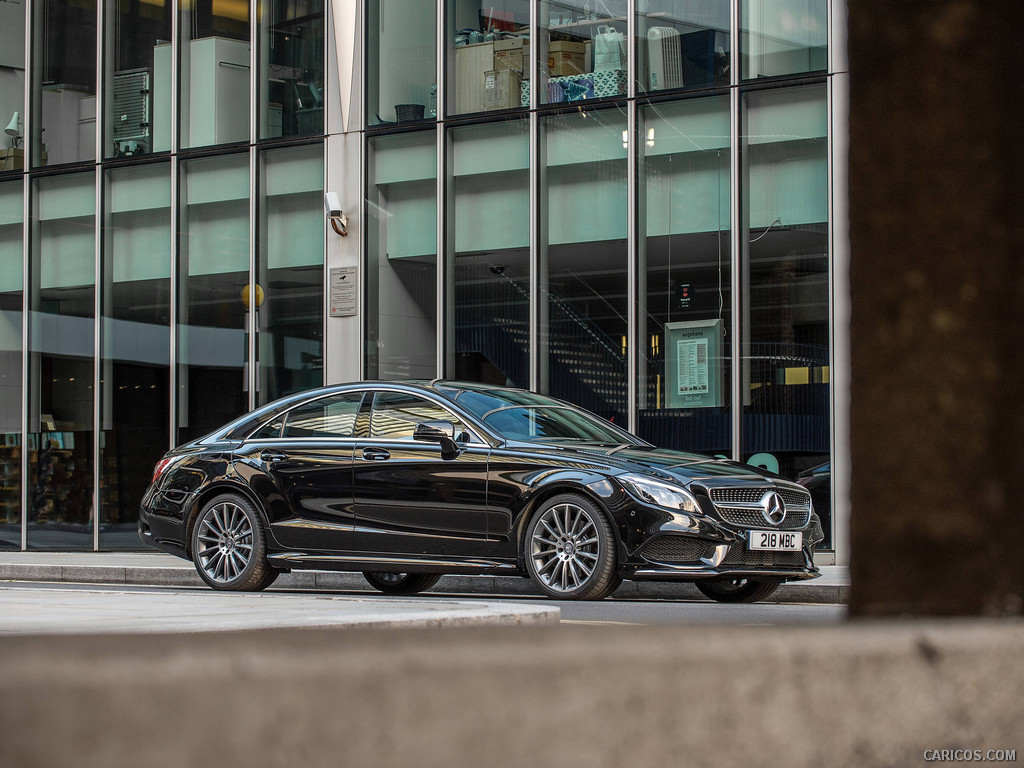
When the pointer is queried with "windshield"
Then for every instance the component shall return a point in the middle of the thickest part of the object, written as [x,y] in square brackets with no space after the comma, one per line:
[521,415]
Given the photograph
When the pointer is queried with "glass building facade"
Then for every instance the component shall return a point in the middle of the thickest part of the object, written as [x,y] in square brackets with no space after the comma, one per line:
[630,204]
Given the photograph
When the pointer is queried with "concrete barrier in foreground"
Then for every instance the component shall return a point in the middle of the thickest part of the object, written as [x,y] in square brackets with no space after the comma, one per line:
[856,695]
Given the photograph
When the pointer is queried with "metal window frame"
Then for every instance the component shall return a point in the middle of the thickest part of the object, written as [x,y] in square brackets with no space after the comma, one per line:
[443,150]
[26,211]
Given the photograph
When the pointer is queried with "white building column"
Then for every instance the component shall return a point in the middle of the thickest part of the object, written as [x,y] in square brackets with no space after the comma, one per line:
[344,175]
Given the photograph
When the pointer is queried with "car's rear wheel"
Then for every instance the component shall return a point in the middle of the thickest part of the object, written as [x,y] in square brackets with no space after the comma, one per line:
[229,547]
[737,590]
[570,550]
[401,583]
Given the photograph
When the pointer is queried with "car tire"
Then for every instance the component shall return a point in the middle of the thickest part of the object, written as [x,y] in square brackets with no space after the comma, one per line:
[229,547]
[392,583]
[737,590]
[570,550]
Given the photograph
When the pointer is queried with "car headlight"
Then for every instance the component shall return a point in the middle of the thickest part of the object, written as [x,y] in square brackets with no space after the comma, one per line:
[661,494]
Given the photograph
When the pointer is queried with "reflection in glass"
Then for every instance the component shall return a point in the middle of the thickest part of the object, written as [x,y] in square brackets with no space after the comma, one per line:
[292,68]
[213,274]
[289,294]
[783,37]
[138,114]
[64,87]
[584,276]
[488,54]
[61,343]
[401,257]
[491,219]
[785,354]
[401,61]
[685,309]
[135,346]
[681,44]
[586,48]
[12,86]
[214,80]
[11,216]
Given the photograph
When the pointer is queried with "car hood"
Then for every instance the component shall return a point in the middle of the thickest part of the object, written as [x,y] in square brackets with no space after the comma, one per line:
[681,466]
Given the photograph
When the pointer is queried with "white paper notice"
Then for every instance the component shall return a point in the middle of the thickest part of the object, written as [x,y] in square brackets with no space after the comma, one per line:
[692,357]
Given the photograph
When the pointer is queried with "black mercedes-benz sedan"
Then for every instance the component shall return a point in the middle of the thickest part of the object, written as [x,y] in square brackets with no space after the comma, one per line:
[406,482]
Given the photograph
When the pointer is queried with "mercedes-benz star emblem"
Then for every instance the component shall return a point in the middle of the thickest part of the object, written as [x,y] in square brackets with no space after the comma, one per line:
[773,508]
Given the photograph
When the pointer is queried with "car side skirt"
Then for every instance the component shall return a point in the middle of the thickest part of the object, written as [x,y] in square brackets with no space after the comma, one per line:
[404,564]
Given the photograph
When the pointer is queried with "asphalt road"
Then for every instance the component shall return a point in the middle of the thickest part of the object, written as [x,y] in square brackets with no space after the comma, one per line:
[53,598]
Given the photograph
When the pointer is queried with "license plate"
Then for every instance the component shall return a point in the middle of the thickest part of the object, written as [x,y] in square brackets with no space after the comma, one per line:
[777,541]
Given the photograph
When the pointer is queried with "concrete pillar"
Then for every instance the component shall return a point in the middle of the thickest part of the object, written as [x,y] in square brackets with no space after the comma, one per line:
[937,294]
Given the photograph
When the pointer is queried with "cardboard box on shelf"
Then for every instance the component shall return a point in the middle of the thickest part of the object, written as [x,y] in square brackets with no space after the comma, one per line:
[565,58]
[513,54]
[12,159]
[471,63]
[502,89]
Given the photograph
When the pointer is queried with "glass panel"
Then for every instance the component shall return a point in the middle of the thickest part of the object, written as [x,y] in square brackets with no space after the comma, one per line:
[491,220]
[401,257]
[586,50]
[488,54]
[137,106]
[786,316]
[395,416]
[327,417]
[783,37]
[11,281]
[61,343]
[682,44]
[213,277]
[401,61]
[584,277]
[12,87]
[685,289]
[136,350]
[289,292]
[64,87]
[291,68]
[214,79]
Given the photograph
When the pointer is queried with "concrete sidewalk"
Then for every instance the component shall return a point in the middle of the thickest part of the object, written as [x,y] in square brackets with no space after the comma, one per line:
[156,568]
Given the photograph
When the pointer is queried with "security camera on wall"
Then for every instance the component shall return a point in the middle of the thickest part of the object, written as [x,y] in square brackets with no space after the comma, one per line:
[333,204]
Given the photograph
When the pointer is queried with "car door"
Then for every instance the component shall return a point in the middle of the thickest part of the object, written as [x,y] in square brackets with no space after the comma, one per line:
[301,466]
[410,501]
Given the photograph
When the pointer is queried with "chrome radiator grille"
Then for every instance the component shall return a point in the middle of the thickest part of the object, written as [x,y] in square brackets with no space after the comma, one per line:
[741,507]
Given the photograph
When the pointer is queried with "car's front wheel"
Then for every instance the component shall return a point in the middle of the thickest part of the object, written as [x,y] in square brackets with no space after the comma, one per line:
[570,550]
[401,583]
[737,590]
[229,547]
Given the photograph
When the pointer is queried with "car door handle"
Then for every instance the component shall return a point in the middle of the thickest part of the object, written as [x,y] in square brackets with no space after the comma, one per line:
[376,454]
[270,457]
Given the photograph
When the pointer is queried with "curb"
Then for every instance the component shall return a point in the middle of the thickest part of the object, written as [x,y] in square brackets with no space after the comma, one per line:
[184,576]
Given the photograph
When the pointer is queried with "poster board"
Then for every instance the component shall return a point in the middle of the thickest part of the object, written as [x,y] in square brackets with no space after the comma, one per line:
[693,364]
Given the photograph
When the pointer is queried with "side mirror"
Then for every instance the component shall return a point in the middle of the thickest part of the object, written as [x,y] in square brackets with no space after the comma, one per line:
[442,432]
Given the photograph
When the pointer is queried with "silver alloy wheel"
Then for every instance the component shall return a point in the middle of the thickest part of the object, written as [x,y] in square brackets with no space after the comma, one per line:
[565,547]
[225,533]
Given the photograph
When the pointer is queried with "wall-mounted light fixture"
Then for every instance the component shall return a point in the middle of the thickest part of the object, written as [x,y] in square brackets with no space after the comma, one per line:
[337,217]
